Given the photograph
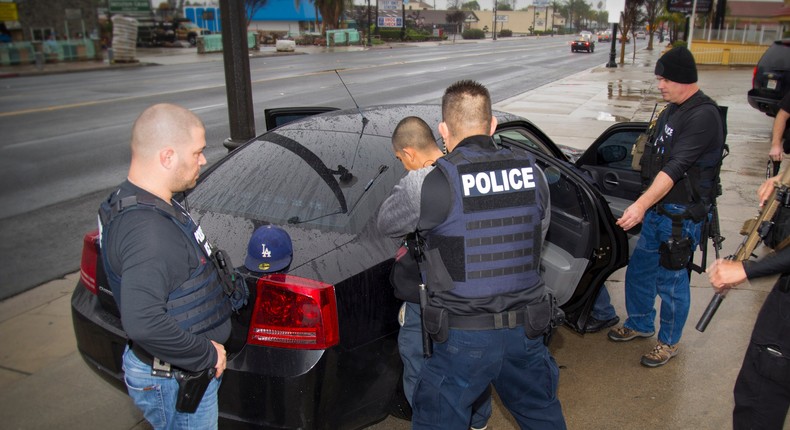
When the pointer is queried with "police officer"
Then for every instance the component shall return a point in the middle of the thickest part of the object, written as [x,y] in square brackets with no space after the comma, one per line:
[414,145]
[679,175]
[162,272]
[480,213]
[762,390]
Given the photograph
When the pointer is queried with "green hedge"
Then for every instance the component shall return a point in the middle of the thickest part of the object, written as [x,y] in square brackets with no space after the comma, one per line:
[506,33]
[473,33]
[389,33]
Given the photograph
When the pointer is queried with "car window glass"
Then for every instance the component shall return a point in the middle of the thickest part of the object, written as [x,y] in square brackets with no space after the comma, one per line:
[278,179]
[523,137]
[615,151]
[564,192]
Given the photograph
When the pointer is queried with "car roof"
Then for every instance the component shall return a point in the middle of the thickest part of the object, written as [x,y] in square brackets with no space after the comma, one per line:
[381,119]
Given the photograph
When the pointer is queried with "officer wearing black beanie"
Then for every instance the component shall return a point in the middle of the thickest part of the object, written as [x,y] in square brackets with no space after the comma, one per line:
[680,168]
[677,65]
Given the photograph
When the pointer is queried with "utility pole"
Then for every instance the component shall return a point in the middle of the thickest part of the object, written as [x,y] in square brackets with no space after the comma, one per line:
[238,84]
[367,30]
[495,19]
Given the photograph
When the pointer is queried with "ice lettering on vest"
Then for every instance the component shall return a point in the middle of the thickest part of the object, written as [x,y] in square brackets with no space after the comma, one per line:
[201,239]
[497,181]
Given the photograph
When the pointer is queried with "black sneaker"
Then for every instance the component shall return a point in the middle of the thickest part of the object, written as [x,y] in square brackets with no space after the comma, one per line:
[595,325]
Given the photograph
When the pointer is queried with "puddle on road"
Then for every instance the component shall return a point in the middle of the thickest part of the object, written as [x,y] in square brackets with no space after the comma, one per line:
[606,116]
[632,91]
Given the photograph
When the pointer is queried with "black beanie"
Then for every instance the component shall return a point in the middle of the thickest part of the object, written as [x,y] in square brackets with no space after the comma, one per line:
[677,65]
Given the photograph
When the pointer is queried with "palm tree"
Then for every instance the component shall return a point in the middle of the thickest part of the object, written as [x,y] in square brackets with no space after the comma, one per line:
[652,8]
[554,7]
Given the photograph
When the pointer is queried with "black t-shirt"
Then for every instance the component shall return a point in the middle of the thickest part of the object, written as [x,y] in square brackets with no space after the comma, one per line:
[154,257]
[692,137]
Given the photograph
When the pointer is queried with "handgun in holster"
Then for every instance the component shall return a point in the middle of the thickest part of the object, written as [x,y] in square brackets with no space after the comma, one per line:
[191,388]
[191,385]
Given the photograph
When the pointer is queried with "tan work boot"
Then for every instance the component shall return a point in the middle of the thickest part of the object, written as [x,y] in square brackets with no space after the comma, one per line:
[624,334]
[660,355]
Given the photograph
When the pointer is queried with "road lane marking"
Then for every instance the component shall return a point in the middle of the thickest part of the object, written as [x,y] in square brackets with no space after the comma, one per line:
[270,79]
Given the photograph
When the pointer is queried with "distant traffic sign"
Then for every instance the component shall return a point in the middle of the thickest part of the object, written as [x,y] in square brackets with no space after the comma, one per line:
[390,4]
[685,6]
[121,6]
[390,21]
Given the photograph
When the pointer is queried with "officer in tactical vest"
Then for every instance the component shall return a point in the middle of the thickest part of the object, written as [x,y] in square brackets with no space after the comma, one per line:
[680,178]
[762,390]
[480,214]
[164,275]
[415,146]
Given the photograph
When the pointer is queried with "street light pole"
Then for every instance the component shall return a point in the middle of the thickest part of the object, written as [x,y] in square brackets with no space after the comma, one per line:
[613,52]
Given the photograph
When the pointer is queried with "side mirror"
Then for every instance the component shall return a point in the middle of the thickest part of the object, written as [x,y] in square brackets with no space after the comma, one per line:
[612,153]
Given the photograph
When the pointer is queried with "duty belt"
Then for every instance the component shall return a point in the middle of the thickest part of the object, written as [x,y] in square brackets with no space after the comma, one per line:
[163,369]
[509,319]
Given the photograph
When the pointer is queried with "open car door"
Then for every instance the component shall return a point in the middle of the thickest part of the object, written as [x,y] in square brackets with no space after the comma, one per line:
[583,245]
[276,117]
[608,162]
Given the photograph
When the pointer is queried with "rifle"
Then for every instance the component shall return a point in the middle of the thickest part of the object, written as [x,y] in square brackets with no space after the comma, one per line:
[755,230]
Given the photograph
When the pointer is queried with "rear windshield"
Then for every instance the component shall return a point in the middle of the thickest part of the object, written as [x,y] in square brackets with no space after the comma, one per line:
[306,177]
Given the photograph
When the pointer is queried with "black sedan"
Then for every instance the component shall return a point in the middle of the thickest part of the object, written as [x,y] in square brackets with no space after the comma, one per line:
[316,348]
[583,44]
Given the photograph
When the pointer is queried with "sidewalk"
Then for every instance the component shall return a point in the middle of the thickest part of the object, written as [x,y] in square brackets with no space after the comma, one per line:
[44,384]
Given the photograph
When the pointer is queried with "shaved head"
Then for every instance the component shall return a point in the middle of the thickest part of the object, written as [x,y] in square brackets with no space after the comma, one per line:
[466,109]
[413,132]
[167,150]
[160,126]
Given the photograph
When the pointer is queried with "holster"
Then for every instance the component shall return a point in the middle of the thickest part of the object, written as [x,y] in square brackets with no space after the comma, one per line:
[191,387]
[675,254]
[436,321]
[543,318]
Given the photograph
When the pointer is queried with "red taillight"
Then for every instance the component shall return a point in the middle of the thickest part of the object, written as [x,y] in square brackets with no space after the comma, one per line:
[293,312]
[90,256]
[754,76]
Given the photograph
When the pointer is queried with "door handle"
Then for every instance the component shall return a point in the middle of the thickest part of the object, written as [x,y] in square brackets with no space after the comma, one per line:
[611,182]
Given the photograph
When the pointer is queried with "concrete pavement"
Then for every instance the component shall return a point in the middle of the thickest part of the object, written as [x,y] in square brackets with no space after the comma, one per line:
[44,383]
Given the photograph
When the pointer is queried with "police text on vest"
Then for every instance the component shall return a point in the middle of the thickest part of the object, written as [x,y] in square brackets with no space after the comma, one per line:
[497,181]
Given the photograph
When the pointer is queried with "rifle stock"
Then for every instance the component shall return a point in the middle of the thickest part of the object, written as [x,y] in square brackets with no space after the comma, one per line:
[754,229]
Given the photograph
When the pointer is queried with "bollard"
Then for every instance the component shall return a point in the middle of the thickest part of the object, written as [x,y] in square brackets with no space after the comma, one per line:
[39,60]
[109,55]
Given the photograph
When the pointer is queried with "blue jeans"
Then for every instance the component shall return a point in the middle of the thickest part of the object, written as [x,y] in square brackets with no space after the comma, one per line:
[645,279]
[522,370]
[602,309]
[410,347]
[156,397]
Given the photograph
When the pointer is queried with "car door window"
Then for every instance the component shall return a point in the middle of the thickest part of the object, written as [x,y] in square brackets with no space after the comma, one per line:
[523,138]
[608,162]
[616,151]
